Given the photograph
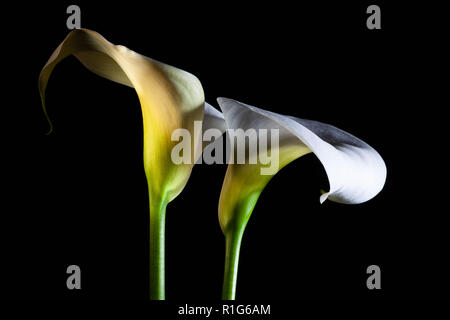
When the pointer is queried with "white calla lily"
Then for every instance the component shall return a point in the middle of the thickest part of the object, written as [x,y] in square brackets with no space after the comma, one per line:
[356,172]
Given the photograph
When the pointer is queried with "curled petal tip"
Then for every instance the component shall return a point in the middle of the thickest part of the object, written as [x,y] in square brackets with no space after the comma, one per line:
[323,197]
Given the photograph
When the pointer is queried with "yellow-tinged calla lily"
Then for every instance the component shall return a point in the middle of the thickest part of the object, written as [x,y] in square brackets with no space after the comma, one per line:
[170,99]
[356,172]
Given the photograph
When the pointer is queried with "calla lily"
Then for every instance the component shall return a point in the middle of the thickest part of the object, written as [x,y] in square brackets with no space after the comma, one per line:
[170,99]
[356,172]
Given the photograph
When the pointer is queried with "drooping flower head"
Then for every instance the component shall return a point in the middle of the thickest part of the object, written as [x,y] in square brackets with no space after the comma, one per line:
[170,98]
[356,172]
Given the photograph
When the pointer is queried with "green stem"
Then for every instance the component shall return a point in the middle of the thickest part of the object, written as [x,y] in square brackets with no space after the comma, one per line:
[233,246]
[157,236]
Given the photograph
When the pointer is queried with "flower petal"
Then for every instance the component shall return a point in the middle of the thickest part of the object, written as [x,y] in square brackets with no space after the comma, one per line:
[356,172]
[170,99]
[213,119]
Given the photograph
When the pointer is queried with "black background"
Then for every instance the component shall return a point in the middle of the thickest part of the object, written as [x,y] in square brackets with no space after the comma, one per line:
[79,196]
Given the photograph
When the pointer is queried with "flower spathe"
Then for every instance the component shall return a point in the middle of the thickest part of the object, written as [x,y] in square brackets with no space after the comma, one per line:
[356,172]
[170,99]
